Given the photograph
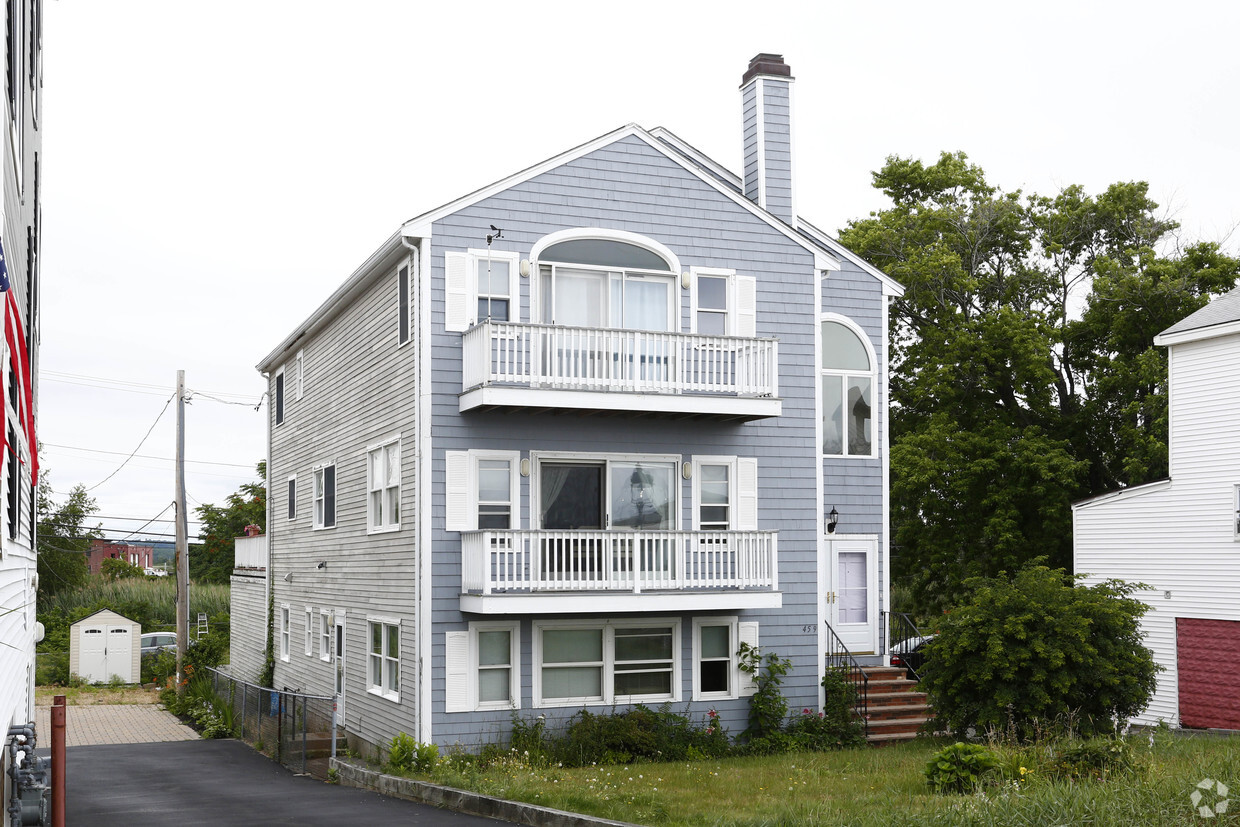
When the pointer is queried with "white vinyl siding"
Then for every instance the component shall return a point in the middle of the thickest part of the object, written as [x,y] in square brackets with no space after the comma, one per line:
[383,487]
[621,661]
[383,658]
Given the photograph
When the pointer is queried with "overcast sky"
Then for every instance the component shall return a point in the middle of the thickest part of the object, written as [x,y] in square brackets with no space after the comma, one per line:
[213,170]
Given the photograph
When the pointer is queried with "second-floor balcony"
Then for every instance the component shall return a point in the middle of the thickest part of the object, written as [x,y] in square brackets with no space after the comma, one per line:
[509,364]
[560,571]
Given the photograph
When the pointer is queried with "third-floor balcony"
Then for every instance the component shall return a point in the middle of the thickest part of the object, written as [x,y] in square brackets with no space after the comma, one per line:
[509,364]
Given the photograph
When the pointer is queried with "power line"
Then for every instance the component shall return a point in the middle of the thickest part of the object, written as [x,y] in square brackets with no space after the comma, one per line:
[146,456]
[123,384]
[135,450]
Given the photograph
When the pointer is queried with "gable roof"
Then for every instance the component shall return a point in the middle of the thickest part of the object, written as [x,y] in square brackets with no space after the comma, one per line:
[1218,318]
[827,251]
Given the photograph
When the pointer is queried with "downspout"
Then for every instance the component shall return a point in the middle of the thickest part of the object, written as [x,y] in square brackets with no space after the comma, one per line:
[419,253]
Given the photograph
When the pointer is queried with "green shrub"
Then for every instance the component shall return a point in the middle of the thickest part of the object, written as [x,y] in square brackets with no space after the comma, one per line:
[836,726]
[767,707]
[407,755]
[1025,651]
[959,768]
[1099,759]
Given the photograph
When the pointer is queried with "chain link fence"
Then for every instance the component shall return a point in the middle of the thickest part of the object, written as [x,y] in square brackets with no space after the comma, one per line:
[296,729]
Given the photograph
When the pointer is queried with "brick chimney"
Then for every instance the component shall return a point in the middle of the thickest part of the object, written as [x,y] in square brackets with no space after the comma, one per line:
[766,100]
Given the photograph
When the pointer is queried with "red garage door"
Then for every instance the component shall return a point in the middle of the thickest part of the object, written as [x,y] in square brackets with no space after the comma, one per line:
[1208,661]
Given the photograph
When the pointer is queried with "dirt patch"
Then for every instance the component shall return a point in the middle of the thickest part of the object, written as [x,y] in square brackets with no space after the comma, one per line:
[96,695]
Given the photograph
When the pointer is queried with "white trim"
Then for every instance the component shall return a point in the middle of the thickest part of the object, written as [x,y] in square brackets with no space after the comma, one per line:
[319,521]
[422,464]
[608,663]
[380,689]
[607,604]
[844,374]
[1197,333]
[476,258]
[309,631]
[324,634]
[286,632]
[1122,494]
[739,407]
[729,312]
[461,495]
[379,449]
[695,488]
[279,389]
[734,673]
[606,234]
[884,584]
[513,628]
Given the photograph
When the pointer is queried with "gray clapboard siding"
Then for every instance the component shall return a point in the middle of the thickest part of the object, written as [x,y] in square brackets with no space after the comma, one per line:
[359,390]
[248,621]
[646,193]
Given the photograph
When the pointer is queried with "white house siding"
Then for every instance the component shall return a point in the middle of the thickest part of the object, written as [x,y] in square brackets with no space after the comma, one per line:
[248,619]
[359,389]
[18,229]
[1178,537]
[629,186]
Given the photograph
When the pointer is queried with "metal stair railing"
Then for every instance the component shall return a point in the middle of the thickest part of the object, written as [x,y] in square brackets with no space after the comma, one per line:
[901,625]
[838,657]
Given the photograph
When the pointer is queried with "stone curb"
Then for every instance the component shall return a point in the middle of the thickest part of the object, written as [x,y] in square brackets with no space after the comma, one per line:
[354,775]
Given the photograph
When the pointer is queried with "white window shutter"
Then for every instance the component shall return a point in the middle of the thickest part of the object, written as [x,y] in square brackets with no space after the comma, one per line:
[459,515]
[457,293]
[748,633]
[458,696]
[746,306]
[746,494]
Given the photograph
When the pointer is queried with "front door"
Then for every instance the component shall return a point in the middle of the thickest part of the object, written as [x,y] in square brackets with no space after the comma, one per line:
[850,591]
[338,661]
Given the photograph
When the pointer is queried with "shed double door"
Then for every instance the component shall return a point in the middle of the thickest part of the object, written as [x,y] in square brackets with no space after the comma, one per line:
[106,651]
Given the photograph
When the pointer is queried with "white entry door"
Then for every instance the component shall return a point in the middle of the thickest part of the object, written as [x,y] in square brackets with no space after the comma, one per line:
[93,654]
[850,591]
[338,662]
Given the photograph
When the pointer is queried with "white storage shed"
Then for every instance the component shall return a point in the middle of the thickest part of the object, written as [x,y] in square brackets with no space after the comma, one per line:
[104,645]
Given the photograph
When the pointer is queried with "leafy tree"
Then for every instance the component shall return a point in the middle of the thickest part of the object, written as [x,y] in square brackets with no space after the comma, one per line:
[1034,650]
[115,569]
[212,561]
[1023,371]
[63,538]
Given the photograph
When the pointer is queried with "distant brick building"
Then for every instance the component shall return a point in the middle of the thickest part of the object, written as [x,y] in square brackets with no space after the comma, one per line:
[100,550]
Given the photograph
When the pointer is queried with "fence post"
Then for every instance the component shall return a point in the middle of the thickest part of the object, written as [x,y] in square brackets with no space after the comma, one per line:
[334,726]
[303,733]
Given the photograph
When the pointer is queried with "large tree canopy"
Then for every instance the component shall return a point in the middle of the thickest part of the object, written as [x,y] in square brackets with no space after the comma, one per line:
[212,561]
[1023,370]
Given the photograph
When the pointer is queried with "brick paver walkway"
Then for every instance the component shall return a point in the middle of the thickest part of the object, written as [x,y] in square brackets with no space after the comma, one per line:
[114,724]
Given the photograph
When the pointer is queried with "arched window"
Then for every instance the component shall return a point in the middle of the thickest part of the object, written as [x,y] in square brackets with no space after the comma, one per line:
[847,391]
[599,278]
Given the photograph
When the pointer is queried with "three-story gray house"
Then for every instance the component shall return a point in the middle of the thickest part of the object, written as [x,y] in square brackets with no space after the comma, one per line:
[571,439]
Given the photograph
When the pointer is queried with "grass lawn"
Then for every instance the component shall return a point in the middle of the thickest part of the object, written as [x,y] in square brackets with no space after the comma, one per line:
[872,787]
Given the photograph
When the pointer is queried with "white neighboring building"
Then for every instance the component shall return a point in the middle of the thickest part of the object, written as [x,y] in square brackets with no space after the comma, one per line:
[1181,536]
[19,234]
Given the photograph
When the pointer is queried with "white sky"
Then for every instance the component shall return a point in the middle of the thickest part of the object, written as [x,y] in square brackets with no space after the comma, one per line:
[212,171]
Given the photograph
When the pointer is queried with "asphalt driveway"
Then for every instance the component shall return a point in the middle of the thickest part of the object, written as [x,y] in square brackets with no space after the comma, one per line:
[217,783]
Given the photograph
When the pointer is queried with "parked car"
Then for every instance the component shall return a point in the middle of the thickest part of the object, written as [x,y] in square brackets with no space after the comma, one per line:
[911,653]
[155,642]
[150,572]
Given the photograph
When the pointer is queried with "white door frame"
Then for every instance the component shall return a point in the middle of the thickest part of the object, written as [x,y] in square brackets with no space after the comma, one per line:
[860,638]
[339,661]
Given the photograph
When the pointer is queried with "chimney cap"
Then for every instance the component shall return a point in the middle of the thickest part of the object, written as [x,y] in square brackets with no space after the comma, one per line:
[765,63]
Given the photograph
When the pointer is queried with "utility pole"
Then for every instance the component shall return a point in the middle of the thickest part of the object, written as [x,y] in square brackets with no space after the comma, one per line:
[182,551]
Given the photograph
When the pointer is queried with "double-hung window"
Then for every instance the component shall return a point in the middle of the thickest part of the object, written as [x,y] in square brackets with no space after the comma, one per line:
[725,493]
[848,380]
[383,660]
[483,667]
[482,490]
[723,303]
[325,635]
[309,631]
[325,496]
[480,285]
[716,663]
[383,486]
[619,662]
[285,632]
[292,497]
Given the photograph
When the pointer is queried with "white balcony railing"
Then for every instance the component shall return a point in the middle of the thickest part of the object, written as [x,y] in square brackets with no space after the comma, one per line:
[617,561]
[250,552]
[633,361]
